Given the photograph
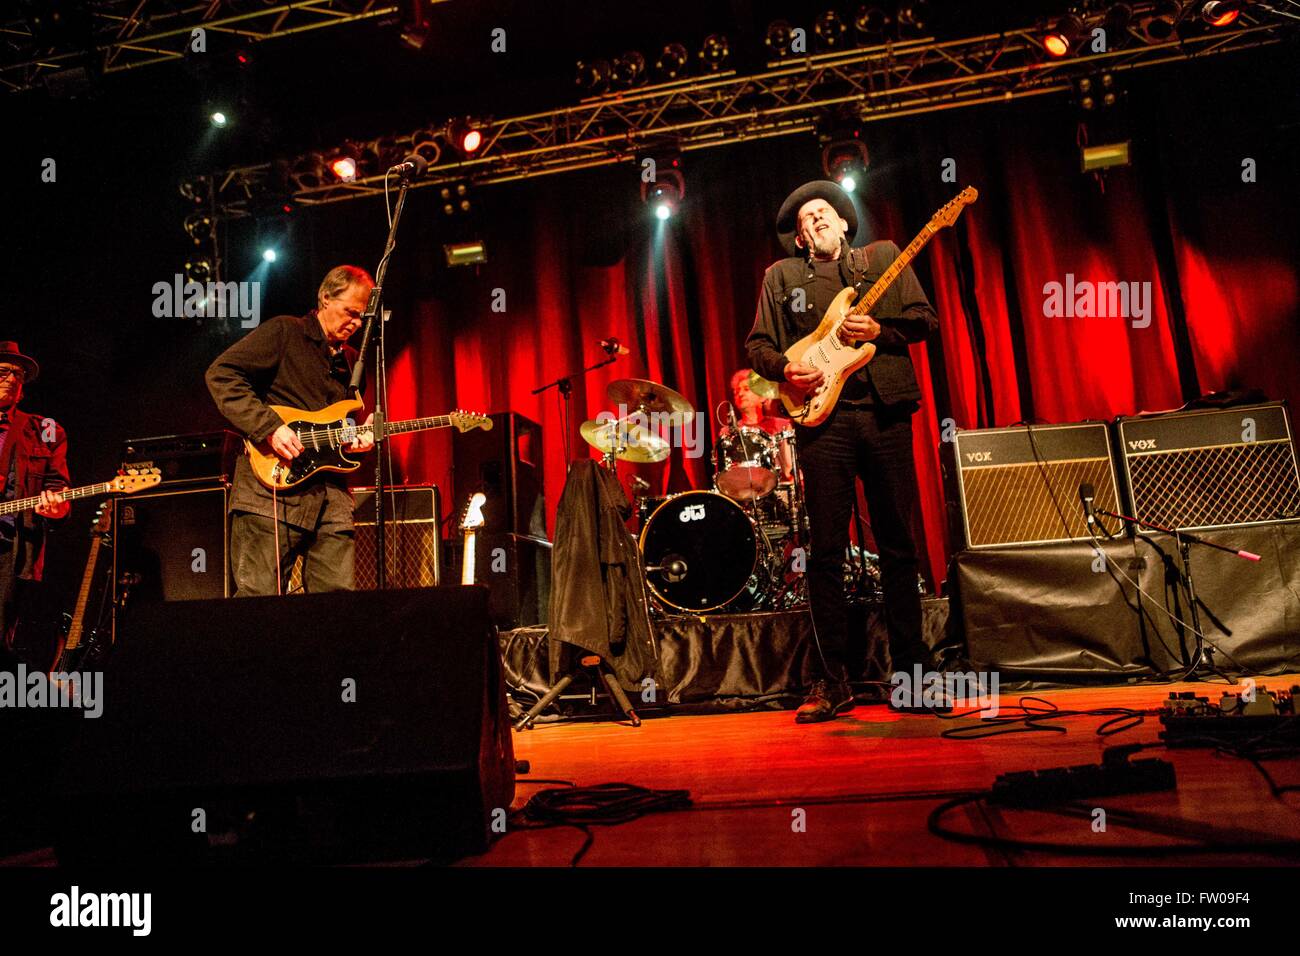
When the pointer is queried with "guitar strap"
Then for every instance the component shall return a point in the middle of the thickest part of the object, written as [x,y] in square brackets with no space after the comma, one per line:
[12,437]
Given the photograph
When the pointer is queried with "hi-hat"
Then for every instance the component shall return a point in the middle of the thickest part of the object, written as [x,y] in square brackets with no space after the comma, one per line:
[625,440]
[637,394]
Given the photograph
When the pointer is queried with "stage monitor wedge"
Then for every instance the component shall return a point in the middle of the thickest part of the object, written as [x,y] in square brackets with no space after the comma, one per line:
[1020,485]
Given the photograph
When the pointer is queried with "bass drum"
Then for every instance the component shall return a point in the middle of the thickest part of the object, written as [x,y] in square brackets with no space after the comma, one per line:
[700,550]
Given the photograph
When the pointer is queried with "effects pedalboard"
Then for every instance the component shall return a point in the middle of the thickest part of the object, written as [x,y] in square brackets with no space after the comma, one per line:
[1192,721]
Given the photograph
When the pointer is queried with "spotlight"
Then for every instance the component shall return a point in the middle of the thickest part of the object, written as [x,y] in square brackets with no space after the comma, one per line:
[871,22]
[629,69]
[455,199]
[198,226]
[464,137]
[196,190]
[269,255]
[672,62]
[715,51]
[844,155]
[344,167]
[198,270]
[914,15]
[778,38]
[218,119]
[1104,156]
[308,172]
[664,195]
[1160,26]
[424,143]
[1220,13]
[594,75]
[829,29]
[1060,39]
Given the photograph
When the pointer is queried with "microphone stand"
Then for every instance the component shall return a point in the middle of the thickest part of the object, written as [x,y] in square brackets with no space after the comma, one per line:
[565,384]
[1202,656]
[372,312]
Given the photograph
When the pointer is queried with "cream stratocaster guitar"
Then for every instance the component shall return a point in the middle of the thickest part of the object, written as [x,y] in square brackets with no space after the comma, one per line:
[326,433]
[129,482]
[470,524]
[822,347]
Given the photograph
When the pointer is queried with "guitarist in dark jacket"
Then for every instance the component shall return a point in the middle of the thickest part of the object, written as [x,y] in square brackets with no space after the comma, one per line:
[868,434]
[302,362]
[33,461]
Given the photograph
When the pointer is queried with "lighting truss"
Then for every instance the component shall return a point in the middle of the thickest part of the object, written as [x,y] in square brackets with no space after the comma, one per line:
[129,34]
[880,82]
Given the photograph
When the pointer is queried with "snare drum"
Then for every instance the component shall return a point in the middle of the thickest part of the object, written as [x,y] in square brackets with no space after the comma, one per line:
[700,550]
[745,463]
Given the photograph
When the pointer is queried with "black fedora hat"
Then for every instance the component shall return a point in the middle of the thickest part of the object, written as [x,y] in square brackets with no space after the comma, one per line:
[787,226]
[9,352]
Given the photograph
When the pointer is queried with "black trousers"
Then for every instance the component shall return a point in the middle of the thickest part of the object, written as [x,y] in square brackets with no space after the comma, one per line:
[873,443]
[328,552]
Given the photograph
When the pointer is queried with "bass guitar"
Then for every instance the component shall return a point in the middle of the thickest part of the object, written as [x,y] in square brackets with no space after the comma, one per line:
[822,348]
[325,434]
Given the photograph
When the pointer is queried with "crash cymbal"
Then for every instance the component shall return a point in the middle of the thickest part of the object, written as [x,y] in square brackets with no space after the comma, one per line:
[762,387]
[626,440]
[637,394]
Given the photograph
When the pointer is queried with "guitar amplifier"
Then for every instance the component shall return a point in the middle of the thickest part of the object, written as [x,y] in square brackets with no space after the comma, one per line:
[412,538]
[1021,485]
[1211,469]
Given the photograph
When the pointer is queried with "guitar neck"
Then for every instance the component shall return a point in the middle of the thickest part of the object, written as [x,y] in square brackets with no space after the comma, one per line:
[467,565]
[417,425]
[26,504]
[83,596]
[865,304]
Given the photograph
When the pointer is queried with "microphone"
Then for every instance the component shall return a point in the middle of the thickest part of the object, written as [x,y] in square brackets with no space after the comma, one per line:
[1086,494]
[674,568]
[613,347]
[412,166]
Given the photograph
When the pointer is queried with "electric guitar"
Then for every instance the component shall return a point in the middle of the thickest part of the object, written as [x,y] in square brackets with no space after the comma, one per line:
[133,480]
[470,524]
[324,435]
[822,348]
[81,650]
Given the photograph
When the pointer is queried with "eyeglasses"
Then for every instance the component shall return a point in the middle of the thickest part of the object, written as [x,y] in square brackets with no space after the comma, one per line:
[14,373]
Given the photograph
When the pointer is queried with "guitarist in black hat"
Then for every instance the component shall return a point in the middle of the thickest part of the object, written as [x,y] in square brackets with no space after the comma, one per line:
[33,462]
[868,434]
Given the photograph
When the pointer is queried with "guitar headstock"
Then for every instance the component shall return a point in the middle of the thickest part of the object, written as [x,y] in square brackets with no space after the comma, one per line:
[103,522]
[473,517]
[953,207]
[132,480]
[467,420]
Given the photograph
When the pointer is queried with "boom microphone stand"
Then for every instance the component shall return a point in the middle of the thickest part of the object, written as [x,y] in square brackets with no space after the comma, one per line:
[409,170]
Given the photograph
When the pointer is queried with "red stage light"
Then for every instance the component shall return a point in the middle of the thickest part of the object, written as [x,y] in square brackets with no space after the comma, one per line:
[345,168]
[1224,19]
[471,141]
[1056,44]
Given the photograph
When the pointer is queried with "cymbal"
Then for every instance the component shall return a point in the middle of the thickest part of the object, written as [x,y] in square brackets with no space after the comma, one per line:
[639,395]
[762,387]
[628,441]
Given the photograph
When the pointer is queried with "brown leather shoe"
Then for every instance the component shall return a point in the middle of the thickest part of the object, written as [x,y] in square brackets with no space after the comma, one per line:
[825,701]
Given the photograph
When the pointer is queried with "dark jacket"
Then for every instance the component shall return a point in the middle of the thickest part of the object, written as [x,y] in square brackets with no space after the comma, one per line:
[38,465]
[597,593]
[904,313]
[284,361]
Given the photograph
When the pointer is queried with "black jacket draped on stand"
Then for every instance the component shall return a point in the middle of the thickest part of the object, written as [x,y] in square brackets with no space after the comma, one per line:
[598,600]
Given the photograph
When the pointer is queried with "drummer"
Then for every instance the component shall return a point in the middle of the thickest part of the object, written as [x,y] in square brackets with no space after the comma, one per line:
[756,411]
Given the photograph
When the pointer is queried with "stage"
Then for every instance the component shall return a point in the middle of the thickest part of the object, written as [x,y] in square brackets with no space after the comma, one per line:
[868,781]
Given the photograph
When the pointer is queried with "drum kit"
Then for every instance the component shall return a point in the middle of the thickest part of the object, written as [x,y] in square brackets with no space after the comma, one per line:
[739,546]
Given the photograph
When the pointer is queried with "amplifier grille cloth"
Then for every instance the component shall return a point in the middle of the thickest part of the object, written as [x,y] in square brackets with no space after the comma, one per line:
[412,556]
[1224,485]
[1007,504]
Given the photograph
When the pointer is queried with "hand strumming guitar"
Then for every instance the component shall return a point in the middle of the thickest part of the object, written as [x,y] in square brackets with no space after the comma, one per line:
[803,377]
[858,328]
[285,442]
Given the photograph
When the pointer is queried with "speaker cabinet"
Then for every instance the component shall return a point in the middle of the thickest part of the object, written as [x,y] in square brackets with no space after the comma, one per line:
[412,536]
[506,465]
[337,727]
[517,572]
[1212,469]
[1021,485]
[171,546]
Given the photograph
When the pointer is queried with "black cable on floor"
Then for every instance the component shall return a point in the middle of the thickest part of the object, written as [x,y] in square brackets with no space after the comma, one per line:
[606,804]
[1032,719]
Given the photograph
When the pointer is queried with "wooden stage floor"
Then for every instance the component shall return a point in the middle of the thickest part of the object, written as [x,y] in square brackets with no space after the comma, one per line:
[867,782]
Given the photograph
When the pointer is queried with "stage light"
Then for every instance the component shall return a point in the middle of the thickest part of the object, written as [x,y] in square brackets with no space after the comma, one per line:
[464,137]
[218,119]
[470,253]
[1220,13]
[198,226]
[1060,39]
[344,168]
[198,270]
[778,38]
[663,210]
[715,51]
[629,69]
[424,143]
[594,75]
[672,62]
[197,190]
[871,22]
[308,172]
[455,199]
[914,15]
[1160,26]
[829,29]
[269,255]
[1092,158]
[844,155]
[664,195]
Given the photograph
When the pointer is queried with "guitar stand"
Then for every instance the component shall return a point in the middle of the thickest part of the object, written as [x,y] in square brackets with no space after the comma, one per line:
[616,693]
